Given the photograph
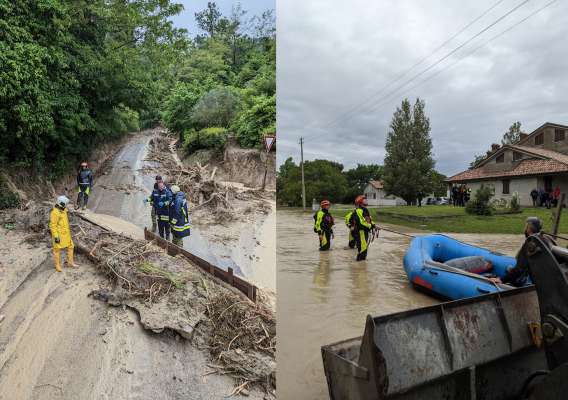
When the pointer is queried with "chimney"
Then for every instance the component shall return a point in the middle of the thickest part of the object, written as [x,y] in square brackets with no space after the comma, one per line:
[523,136]
[495,147]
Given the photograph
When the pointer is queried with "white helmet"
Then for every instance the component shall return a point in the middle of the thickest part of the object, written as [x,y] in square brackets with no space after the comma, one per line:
[175,189]
[62,201]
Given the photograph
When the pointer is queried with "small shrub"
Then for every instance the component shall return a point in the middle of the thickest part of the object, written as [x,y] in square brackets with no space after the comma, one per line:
[479,205]
[208,138]
[8,199]
[515,205]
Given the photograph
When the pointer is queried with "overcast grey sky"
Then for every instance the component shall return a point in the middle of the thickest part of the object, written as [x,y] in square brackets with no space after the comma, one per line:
[186,19]
[334,54]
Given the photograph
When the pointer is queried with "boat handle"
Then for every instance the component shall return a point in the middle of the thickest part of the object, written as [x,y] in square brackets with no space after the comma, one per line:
[432,272]
[480,290]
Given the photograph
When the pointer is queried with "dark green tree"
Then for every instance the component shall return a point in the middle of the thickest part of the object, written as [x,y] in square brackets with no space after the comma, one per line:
[408,163]
[208,19]
[439,185]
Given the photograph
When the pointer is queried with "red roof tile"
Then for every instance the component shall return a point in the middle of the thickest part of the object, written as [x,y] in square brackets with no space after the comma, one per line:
[523,168]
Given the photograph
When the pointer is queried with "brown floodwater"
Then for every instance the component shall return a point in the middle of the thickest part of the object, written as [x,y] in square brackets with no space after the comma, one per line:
[325,297]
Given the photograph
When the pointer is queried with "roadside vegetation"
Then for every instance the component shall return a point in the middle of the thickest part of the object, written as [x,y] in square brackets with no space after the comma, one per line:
[449,219]
[225,82]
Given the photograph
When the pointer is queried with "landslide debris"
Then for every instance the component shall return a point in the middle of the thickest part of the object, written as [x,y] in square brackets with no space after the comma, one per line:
[171,293]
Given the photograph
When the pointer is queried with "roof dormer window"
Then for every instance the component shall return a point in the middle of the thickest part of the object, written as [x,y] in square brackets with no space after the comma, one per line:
[500,158]
[559,135]
[539,139]
[517,156]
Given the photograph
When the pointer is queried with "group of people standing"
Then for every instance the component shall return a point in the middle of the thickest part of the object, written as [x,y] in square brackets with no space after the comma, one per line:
[169,212]
[358,221]
[460,195]
[542,197]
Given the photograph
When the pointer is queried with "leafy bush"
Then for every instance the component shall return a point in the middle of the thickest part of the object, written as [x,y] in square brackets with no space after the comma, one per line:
[8,199]
[258,119]
[479,205]
[208,138]
[515,205]
[218,107]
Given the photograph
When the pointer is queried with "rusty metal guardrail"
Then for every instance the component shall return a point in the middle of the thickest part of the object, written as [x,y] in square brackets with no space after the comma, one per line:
[249,290]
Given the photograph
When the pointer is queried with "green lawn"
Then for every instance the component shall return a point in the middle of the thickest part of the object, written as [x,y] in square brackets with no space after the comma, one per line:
[454,219]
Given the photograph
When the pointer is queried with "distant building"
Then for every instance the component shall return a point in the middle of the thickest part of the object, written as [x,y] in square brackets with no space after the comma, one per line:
[376,195]
[537,160]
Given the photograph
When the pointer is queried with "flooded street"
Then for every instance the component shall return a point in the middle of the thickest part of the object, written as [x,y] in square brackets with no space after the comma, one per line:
[325,296]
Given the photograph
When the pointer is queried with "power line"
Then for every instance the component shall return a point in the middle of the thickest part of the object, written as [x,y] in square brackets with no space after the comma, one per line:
[386,100]
[419,62]
[443,58]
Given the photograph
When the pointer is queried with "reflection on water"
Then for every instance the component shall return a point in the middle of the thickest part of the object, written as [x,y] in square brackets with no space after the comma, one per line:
[325,296]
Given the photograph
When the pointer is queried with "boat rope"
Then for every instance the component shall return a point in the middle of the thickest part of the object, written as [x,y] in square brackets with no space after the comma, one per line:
[398,233]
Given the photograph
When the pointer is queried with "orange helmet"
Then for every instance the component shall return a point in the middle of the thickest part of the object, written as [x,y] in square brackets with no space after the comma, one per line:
[360,200]
[325,203]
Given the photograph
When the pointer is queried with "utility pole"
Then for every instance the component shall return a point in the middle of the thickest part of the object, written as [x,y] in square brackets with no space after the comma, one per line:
[302,165]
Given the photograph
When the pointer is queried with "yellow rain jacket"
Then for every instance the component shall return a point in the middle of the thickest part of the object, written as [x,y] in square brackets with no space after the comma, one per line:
[59,227]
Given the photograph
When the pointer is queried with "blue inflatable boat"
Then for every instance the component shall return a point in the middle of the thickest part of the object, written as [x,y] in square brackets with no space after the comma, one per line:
[431,263]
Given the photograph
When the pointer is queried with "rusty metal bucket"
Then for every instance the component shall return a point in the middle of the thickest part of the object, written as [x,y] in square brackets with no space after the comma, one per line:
[476,348]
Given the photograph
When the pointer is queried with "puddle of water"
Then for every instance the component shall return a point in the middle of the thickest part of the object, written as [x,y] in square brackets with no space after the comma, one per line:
[325,297]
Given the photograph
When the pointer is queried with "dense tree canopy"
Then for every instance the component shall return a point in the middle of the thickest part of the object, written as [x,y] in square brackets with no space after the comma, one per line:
[227,79]
[77,73]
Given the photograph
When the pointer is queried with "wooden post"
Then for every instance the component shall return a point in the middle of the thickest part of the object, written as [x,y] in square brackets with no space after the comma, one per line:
[556,225]
[230,276]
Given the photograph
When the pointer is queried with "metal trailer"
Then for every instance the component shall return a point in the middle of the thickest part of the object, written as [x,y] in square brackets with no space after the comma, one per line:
[483,348]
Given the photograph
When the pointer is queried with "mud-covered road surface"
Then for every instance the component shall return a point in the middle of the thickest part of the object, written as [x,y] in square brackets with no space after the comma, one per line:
[325,297]
[121,190]
[56,342]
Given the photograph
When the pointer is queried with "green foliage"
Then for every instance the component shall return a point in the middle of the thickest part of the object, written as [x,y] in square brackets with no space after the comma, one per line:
[359,177]
[480,204]
[408,162]
[514,204]
[8,199]
[477,159]
[217,107]
[439,186]
[256,120]
[77,73]
[227,77]
[208,138]
[324,180]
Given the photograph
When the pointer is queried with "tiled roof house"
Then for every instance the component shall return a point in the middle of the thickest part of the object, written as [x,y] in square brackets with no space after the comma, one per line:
[537,160]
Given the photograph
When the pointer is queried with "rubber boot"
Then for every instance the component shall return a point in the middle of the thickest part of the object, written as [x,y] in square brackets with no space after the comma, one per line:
[70,261]
[57,259]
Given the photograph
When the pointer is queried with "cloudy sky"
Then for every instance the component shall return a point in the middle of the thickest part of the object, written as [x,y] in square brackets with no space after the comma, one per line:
[186,19]
[335,58]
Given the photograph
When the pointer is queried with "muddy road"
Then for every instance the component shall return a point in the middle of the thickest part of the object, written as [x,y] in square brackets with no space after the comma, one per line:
[56,342]
[248,248]
[325,296]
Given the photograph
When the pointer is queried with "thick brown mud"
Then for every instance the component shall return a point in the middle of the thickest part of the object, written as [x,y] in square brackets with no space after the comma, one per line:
[324,297]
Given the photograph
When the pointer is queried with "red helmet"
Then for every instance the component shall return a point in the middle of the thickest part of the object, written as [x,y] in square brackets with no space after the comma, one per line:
[325,203]
[360,200]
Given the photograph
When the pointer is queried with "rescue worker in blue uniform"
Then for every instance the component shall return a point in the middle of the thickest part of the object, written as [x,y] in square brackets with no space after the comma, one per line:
[179,217]
[84,185]
[363,224]
[323,223]
[153,217]
[161,200]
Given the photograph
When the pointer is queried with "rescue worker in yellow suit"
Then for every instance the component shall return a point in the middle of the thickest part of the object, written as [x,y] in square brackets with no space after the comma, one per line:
[350,226]
[323,223]
[61,233]
[363,225]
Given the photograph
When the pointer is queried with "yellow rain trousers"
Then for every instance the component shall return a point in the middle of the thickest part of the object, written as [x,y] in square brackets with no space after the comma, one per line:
[59,228]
